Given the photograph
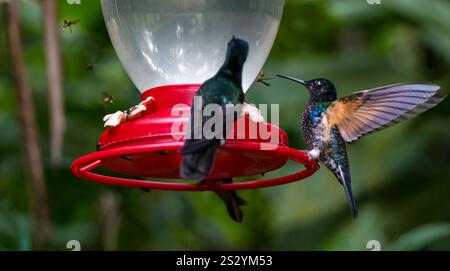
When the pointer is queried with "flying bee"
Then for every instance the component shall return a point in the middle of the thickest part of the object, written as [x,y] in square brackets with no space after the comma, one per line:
[262,79]
[107,99]
[89,67]
[69,24]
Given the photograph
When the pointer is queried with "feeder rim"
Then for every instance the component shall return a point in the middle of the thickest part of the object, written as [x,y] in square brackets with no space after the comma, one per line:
[83,166]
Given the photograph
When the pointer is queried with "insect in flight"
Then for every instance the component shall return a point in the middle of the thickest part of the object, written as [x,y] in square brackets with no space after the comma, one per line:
[89,67]
[69,24]
[262,79]
[107,99]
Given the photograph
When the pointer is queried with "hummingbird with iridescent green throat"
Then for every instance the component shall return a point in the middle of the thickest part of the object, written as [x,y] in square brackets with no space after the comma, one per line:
[329,122]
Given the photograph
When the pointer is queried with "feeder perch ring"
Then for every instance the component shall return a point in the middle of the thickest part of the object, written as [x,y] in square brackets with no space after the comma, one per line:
[83,166]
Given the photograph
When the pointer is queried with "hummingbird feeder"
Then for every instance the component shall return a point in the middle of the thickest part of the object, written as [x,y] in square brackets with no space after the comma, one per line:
[168,48]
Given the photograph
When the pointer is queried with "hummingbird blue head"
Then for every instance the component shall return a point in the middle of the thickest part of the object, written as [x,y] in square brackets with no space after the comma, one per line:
[320,89]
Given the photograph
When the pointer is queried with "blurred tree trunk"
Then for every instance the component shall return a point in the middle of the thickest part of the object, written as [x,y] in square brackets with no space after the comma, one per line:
[35,173]
[110,217]
[54,78]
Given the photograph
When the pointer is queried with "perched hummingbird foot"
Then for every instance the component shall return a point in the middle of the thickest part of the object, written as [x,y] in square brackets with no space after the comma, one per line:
[313,154]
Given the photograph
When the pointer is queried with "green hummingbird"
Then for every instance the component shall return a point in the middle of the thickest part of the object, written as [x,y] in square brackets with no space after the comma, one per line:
[330,122]
[223,89]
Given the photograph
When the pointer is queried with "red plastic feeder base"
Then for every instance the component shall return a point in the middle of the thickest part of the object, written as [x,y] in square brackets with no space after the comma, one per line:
[148,147]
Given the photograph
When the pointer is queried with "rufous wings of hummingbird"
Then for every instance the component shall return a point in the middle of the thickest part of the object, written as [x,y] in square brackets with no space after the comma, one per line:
[223,89]
[329,122]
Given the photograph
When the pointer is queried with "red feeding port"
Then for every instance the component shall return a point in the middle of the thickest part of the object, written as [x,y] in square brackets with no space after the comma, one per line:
[147,147]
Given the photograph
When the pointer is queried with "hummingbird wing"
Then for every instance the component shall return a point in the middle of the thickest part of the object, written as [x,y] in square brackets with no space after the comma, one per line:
[200,149]
[217,96]
[372,110]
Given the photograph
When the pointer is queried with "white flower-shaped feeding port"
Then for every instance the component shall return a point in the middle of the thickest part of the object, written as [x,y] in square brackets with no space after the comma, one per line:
[113,120]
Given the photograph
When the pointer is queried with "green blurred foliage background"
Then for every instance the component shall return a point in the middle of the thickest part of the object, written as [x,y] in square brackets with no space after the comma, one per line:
[401,176]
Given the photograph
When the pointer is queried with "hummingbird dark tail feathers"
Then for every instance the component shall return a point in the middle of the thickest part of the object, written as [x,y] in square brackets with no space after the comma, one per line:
[198,158]
[345,179]
[232,201]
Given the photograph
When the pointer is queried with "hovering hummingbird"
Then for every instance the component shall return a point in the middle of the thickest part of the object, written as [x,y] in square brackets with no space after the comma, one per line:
[330,122]
[224,88]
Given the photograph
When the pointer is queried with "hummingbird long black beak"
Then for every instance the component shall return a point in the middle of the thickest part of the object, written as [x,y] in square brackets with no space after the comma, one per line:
[300,81]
